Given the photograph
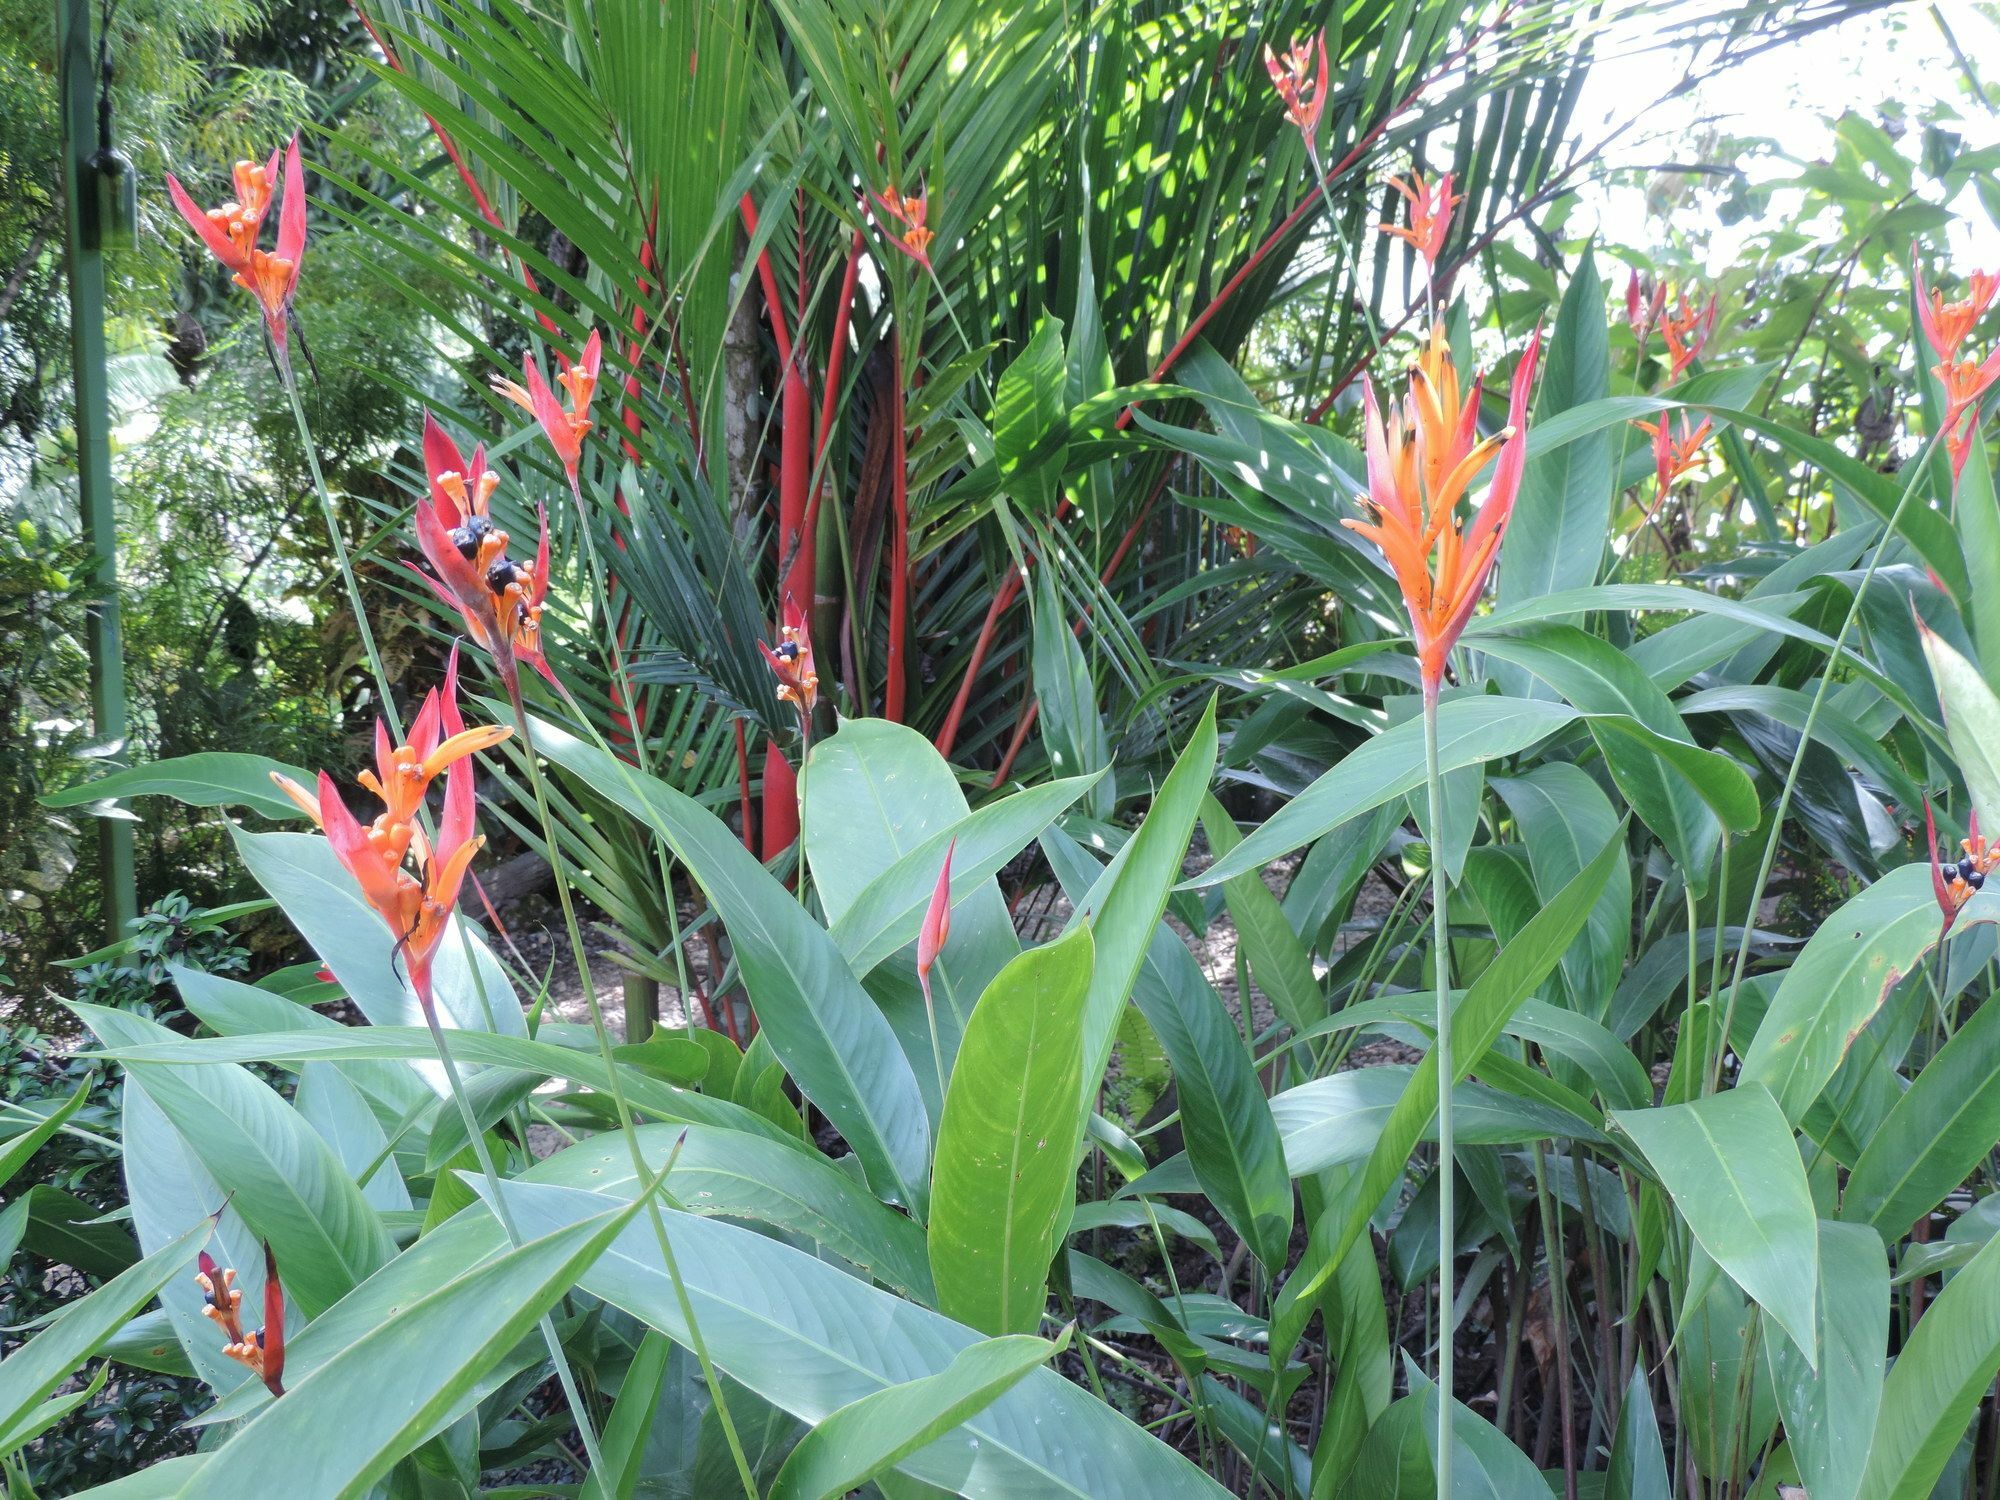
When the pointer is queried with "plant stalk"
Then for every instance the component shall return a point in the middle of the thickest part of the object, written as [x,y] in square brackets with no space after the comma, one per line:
[1447,1077]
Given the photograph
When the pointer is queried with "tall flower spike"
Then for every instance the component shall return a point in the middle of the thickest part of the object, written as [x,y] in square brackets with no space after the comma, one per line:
[1947,325]
[1674,452]
[382,855]
[914,238]
[1686,330]
[1431,204]
[791,662]
[1302,89]
[1420,462]
[499,600]
[565,428]
[231,234]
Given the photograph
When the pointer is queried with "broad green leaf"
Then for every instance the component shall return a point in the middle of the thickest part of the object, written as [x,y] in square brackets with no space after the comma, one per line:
[14,1155]
[1978,517]
[1130,897]
[863,1439]
[40,1419]
[1564,818]
[84,1326]
[213,778]
[1935,1136]
[277,1173]
[1225,1118]
[1005,1176]
[1638,1466]
[831,1037]
[811,1339]
[1838,982]
[1072,727]
[1556,538]
[347,1423]
[1731,1166]
[1028,417]
[1399,1459]
[1946,1366]
[1972,721]
[628,1432]
[1278,957]
[1830,1413]
[1471,731]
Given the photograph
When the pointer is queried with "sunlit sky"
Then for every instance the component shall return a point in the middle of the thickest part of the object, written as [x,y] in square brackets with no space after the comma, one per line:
[1792,95]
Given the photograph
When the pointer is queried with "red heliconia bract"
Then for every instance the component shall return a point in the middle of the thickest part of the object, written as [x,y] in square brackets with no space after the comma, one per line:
[914,238]
[1302,87]
[936,930]
[1954,882]
[567,427]
[791,662]
[262,1352]
[1431,204]
[231,234]
[1686,330]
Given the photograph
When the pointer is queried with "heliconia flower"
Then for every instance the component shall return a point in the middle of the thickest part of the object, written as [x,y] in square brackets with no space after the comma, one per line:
[1302,88]
[1947,325]
[1674,452]
[931,937]
[415,906]
[1954,882]
[1958,442]
[1420,463]
[1431,204]
[500,600]
[1686,330]
[564,428]
[231,232]
[914,238]
[792,662]
[1642,309]
[222,1303]
[1965,382]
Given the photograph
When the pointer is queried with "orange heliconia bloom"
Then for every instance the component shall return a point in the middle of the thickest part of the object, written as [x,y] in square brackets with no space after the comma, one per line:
[415,906]
[1303,88]
[499,599]
[1675,452]
[1420,463]
[1430,214]
[1954,881]
[1643,308]
[222,1304]
[1947,325]
[231,232]
[914,239]
[1686,330]
[564,428]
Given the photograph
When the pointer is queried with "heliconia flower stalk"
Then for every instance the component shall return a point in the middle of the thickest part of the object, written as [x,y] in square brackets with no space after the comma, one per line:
[791,662]
[1420,463]
[499,599]
[1431,204]
[231,234]
[1642,309]
[565,427]
[914,238]
[1955,881]
[1686,330]
[415,906]
[262,1352]
[1302,88]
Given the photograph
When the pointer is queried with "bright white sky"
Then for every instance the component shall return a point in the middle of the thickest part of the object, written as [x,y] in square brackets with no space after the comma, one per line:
[1793,95]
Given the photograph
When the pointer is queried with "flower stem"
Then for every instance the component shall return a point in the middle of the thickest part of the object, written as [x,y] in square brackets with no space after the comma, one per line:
[347,578]
[618,1100]
[1446,1077]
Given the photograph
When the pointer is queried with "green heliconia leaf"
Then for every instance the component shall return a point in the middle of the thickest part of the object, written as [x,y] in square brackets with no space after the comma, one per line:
[810,1338]
[159,1482]
[1946,1366]
[14,1155]
[1476,1024]
[1130,897]
[831,1037]
[863,1439]
[347,1423]
[1936,1134]
[1972,722]
[278,1174]
[1638,1466]
[1838,982]
[214,778]
[1830,1413]
[1278,958]
[1471,731]
[1564,818]
[84,1326]
[1556,537]
[626,1435]
[42,1418]
[1028,417]
[1399,1457]
[1005,1176]
[1978,518]
[1732,1167]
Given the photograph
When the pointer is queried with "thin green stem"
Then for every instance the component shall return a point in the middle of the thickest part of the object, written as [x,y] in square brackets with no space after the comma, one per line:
[1917,474]
[624,1110]
[1446,1078]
